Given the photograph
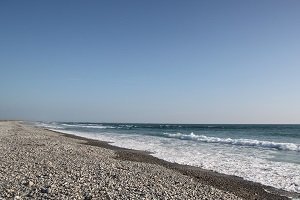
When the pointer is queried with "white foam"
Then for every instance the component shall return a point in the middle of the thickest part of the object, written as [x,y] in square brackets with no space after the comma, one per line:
[240,142]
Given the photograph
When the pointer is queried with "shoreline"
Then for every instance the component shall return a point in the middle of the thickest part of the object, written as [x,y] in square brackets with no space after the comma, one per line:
[44,164]
[233,184]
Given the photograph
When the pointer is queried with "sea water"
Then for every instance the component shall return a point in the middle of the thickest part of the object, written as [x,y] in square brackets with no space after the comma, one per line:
[268,154]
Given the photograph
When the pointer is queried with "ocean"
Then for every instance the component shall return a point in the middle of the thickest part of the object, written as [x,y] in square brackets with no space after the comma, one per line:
[268,154]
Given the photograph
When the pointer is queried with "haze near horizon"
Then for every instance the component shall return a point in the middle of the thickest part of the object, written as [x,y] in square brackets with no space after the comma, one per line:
[150,61]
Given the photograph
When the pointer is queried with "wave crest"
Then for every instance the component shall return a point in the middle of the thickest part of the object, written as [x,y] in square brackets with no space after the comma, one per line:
[239,142]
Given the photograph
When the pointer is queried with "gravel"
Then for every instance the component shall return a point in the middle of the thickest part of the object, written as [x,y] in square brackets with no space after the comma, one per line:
[41,164]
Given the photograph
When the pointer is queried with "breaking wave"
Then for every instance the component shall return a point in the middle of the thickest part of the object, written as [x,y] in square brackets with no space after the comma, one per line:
[239,142]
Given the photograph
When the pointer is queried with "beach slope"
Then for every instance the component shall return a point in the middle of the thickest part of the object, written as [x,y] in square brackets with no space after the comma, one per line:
[37,163]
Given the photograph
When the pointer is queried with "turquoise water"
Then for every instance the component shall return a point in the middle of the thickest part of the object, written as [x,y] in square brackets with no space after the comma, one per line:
[269,154]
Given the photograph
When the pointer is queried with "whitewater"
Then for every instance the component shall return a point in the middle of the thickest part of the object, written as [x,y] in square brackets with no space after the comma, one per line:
[268,154]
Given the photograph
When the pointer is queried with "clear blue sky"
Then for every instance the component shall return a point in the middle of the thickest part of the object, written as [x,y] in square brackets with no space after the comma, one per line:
[150,61]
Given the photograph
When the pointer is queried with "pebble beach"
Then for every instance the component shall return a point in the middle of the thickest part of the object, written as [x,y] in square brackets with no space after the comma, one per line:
[40,164]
